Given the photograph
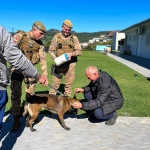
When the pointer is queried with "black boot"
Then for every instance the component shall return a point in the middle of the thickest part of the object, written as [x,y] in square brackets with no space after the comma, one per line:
[16,124]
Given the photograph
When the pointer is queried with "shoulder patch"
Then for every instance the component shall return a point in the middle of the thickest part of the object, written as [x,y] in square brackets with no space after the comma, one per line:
[15,39]
[58,35]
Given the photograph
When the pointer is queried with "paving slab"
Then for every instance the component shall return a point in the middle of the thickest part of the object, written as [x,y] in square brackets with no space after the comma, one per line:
[128,133]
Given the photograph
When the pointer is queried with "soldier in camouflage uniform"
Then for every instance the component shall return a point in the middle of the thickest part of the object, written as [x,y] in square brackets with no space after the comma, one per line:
[64,43]
[31,45]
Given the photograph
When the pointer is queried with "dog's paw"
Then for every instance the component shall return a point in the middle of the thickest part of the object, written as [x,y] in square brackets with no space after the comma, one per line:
[67,128]
[27,125]
[33,130]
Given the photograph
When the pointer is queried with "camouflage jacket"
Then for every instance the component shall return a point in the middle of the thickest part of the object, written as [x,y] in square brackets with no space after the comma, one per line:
[59,42]
[29,46]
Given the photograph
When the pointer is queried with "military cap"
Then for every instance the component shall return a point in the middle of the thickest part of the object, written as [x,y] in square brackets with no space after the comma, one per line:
[68,23]
[40,26]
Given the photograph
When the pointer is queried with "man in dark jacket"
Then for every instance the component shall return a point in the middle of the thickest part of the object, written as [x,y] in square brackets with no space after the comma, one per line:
[103,95]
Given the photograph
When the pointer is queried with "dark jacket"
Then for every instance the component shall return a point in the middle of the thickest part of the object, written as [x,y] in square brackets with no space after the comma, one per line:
[106,94]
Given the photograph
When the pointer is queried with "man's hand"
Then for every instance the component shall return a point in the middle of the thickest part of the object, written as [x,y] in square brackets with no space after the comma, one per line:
[79,90]
[69,55]
[77,105]
[43,80]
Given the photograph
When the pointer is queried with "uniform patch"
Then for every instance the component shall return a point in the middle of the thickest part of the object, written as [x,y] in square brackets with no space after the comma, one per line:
[15,39]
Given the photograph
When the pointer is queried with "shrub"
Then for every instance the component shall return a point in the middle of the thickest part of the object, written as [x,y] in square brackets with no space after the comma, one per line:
[127,52]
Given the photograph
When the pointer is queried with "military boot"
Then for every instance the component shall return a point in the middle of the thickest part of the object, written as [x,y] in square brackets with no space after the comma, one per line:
[16,124]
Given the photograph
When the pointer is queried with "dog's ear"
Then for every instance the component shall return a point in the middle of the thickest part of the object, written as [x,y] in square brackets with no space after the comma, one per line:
[74,96]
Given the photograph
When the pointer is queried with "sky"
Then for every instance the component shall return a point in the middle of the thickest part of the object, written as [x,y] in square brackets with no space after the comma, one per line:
[86,15]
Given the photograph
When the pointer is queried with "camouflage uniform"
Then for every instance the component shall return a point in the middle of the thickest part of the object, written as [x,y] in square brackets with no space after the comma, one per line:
[60,45]
[23,40]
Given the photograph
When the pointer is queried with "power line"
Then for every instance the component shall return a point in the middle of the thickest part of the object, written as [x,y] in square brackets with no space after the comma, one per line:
[12,29]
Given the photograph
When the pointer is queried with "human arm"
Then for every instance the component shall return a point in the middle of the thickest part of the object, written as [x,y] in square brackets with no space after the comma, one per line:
[15,57]
[17,38]
[52,48]
[89,105]
[43,63]
[79,90]
[77,48]
[78,104]
[93,104]
[43,80]
[101,96]
[101,90]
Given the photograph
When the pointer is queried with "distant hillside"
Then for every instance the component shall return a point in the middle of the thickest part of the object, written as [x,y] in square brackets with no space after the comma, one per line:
[86,36]
[82,36]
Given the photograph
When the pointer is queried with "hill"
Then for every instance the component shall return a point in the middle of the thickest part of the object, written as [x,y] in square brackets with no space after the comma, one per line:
[82,36]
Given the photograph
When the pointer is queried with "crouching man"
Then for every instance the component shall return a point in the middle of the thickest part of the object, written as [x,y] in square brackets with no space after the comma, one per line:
[102,95]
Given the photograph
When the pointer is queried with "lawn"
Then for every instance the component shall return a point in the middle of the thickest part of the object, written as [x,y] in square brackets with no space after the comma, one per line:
[135,89]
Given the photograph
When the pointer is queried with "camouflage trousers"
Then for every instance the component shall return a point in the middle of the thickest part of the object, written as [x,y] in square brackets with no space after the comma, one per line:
[16,92]
[68,71]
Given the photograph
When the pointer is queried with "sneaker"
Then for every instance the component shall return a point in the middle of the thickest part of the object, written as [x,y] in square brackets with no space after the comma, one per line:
[112,120]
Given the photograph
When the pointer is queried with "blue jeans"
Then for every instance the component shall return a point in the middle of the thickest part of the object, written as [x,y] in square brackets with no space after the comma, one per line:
[3,101]
[98,112]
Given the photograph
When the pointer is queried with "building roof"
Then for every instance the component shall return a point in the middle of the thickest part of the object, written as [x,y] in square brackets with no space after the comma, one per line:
[137,24]
[110,33]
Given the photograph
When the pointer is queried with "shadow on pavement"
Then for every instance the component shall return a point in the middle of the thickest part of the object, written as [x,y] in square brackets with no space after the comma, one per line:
[11,136]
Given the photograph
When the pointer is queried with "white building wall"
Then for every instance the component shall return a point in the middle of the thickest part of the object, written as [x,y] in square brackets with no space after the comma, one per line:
[144,49]
[139,43]
[117,37]
[138,39]
[91,41]
[132,41]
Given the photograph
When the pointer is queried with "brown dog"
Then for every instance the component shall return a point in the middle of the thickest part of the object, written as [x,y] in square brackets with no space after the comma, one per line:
[54,103]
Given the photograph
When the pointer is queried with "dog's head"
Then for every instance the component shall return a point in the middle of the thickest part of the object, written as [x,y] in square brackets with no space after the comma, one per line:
[75,111]
[71,99]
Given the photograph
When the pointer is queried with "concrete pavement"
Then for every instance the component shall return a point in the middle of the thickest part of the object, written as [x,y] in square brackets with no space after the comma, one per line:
[128,133]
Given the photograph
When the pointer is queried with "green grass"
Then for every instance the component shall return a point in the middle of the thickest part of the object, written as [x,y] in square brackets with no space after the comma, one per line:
[135,89]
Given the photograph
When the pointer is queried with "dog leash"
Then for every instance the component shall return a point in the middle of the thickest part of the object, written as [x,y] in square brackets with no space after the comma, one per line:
[55,89]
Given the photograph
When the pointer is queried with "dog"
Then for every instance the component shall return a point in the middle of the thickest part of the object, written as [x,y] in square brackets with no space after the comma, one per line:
[54,103]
